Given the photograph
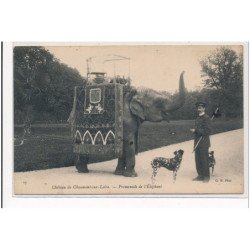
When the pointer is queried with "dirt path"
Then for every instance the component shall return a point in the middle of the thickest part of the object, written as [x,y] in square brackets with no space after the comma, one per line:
[228,176]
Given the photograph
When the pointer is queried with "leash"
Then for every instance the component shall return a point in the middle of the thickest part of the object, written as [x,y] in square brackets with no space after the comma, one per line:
[197,144]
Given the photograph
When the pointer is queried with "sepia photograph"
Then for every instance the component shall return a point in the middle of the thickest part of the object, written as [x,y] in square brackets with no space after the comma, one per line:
[129,119]
[123,122]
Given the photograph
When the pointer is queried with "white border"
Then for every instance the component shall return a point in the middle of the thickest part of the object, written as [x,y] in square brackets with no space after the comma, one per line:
[76,200]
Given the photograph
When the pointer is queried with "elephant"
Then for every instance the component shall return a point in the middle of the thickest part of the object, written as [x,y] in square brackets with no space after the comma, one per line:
[139,106]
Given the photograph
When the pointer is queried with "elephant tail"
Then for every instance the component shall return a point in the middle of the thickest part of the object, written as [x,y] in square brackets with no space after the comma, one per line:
[139,122]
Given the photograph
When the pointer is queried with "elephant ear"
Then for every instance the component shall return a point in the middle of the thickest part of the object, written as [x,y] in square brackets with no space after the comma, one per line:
[137,108]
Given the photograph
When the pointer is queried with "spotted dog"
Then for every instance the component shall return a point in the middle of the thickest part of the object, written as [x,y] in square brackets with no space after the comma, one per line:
[211,161]
[172,164]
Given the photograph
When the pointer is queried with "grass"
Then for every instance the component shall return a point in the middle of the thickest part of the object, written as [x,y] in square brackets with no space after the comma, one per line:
[50,146]
[163,134]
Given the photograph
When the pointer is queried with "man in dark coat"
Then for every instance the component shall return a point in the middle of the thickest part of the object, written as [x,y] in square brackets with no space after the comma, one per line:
[202,143]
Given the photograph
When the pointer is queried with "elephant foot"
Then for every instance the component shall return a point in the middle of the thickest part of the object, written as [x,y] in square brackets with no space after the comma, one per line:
[82,170]
[119,171]
[82,164]
[130,173]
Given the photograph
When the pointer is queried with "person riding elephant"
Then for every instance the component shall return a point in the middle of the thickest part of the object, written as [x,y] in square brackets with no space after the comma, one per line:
[139,106]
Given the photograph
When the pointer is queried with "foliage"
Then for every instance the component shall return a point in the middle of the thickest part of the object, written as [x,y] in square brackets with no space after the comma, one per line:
[43,87]
[222,73]
[188,111]
[222,70]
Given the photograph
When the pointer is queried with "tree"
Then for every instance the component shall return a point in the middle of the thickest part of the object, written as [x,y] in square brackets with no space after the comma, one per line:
[43,87]
[29,66]
[222,70]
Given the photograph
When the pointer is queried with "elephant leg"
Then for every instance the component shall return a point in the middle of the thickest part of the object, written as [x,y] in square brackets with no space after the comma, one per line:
[130,158]
[120,166]
[82,163]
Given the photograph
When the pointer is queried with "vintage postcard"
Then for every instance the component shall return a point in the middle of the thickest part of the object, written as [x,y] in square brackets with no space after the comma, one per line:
[129,119]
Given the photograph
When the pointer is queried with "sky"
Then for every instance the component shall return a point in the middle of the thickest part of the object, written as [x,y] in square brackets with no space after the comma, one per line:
[151,66]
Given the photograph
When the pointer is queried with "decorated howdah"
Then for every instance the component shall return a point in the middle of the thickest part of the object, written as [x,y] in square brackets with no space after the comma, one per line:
[97,119]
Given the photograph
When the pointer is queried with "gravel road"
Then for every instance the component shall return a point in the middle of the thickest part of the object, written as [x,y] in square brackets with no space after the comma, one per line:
[228,176]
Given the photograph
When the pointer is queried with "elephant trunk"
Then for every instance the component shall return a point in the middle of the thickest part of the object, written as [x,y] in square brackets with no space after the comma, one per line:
[179,102]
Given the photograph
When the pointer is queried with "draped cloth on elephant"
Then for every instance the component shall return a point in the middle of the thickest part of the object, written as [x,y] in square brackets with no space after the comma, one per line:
[97,120]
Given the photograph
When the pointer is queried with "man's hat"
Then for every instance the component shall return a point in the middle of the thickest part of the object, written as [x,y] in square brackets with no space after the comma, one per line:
[203,104]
